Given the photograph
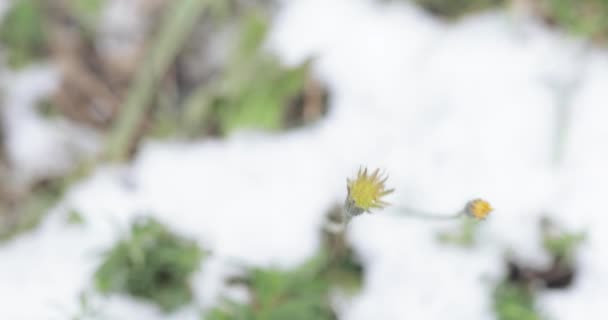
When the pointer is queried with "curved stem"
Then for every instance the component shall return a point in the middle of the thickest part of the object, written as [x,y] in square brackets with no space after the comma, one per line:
[416,213]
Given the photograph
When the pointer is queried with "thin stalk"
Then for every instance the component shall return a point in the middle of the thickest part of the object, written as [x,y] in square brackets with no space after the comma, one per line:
[177,26]
[420,214]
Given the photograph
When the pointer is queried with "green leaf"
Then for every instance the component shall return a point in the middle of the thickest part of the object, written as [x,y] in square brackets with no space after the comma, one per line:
[152,264]
[22,32]
[514,302]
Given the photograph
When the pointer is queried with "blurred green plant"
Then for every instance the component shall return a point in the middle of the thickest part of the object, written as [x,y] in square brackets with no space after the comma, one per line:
[24,29]
[74,218]
[588,18]
[179,20]
[254,90]
[297,294]
[22,32]
[47,109]
[88,10]
[452,9]
[464,236]
[302,293]
[152,263]
[87,13]
[561,244]
[514,301]
[514,297]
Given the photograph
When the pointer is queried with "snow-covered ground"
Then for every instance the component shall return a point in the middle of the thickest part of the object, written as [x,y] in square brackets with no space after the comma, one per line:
[450,111]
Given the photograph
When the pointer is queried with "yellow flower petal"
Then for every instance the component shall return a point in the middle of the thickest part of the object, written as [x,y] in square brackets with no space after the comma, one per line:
[478,209]
[366,191]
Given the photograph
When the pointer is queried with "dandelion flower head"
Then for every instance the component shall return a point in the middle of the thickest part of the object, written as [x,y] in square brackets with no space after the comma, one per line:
[478,209]
[365,192]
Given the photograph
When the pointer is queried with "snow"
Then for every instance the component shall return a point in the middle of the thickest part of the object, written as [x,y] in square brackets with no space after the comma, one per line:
[451,111]
[39,147]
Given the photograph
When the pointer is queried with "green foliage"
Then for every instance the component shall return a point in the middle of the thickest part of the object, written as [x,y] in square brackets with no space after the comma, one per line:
[153,264]
[464,236]
[22,32]
[177,24]
[89,9]
[563,244]
[256,88]
[74,218]
[253,32]
[260,102]
[253,90]
[298,294]
[86,12]
[302,293]
[46,109]
[588,18]
[457,8]
[514,302]
[23,29]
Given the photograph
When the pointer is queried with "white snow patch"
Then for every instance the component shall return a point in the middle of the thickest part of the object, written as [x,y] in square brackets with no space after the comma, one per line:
[39,147]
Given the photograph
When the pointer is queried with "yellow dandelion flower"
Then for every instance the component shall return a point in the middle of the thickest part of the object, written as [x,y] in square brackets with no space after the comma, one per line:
[478,209]
[365,192]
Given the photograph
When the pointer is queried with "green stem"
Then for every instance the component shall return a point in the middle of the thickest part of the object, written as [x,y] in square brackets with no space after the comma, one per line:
[178,24]
[420,214]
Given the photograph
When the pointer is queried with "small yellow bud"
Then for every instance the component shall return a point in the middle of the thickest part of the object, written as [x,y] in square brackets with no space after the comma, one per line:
[365,192]
[478,209]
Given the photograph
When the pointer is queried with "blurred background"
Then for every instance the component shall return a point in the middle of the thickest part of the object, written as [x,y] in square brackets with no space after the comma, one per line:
[188,159]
